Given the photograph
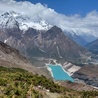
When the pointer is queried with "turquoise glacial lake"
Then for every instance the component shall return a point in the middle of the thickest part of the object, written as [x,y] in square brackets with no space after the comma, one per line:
[59,73]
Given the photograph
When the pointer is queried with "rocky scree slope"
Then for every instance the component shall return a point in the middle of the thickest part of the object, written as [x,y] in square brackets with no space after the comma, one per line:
[10,57]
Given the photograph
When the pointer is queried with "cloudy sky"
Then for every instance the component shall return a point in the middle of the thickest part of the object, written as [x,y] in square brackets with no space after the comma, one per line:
[80,17]
[69,7]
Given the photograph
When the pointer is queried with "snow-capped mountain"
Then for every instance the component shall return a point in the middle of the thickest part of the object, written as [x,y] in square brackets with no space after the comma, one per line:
[13,19]
[23,22]
[80,38]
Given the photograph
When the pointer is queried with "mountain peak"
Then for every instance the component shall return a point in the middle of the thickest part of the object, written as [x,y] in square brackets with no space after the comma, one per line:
[54,31]
[24,21]
[56,27]
[10,14]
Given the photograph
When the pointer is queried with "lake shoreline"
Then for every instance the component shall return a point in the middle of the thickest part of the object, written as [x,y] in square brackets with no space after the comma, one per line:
[57,64]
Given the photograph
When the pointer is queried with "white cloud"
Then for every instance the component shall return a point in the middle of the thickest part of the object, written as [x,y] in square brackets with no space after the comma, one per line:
[87,24]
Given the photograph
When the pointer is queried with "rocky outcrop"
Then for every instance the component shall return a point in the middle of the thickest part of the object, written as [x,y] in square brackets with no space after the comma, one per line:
[87,74]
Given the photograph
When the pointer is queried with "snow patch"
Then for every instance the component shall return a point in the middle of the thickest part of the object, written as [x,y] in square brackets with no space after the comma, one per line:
[5,41]
[59,52]
[11,19]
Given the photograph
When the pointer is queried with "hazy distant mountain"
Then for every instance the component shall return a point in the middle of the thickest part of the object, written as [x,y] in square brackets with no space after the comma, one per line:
[77,38]
[88,38]
[93,46]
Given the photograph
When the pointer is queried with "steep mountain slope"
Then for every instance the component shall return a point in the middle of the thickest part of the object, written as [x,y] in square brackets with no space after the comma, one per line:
[50,44]
[93,46]
[10,57]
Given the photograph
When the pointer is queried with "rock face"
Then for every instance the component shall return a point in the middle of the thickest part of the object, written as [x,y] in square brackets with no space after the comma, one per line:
[49,44]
